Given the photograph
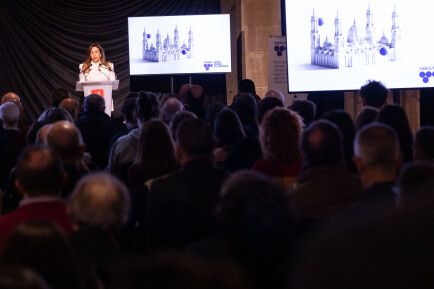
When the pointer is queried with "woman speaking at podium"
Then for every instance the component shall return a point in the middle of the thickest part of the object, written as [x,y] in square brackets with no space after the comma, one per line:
[96,68]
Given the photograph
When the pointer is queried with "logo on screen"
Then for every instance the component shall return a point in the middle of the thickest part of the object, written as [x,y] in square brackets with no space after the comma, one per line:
[207,66]
[97,91]
[279,49]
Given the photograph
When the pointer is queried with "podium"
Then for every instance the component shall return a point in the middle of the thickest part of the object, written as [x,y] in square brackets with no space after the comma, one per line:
[102,88]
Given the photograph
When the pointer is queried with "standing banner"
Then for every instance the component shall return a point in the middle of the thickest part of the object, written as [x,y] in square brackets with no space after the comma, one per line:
[278,71]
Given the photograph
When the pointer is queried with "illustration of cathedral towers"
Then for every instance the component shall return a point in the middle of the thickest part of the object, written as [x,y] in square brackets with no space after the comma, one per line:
[168,50]
[353,50]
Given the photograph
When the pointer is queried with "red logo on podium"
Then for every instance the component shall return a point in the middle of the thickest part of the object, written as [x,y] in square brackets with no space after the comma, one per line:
[98,91]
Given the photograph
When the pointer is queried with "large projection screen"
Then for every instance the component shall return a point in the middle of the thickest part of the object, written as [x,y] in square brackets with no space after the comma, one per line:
[340,44]
[184,44]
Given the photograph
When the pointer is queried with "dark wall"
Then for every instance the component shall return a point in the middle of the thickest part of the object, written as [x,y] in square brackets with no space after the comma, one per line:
[43,42]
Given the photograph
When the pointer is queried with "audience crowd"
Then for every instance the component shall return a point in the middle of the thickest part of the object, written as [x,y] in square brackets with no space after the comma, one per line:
[188,194]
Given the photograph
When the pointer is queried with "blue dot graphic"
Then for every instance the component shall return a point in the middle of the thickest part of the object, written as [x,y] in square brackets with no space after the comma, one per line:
[383,51]
[428,74]
[184,52]
[422,74]
[425,79]
[320,22]
[148,36]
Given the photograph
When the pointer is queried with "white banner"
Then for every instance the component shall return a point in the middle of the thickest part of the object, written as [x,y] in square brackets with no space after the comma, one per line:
[277,69]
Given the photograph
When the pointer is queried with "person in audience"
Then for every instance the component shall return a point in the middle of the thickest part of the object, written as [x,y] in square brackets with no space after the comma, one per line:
[416,183]
[194,100]
[41,247]
[97,129]
[424,144]
[99,208]
[12,140]
[346,126]
[227,131]
[395,117]
[374,94]
[248,86]
[378,160]
[58,95]
[40,176]
[180,206]
[280,140]
[129,118]
[16,277]
[366,116]
[324,186]
[169,108]
[65,138]
[49,116]
[179,117]
[265,105]
[276,94]
[211,112]
[245,107]
[124,150]
[155,157]
[41,136]
[258,226]
[24,123]
[306,109]
[71,105]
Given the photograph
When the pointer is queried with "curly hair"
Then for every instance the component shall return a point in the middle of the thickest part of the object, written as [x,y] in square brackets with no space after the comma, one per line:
[280,135]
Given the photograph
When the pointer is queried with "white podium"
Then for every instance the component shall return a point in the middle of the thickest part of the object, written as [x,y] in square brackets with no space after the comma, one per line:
[102,88]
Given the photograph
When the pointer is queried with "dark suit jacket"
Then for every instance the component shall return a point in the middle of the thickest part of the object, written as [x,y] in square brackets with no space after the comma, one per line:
[53,210]
[97,129]
[181,206]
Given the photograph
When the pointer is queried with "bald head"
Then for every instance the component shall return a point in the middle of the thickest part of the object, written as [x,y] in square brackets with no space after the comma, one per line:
[65,138]
[12,97]
[41,136]
[275,93]
[71,105]
[99,200]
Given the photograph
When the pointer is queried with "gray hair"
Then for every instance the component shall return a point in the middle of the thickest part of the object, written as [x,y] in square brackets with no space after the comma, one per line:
[9,114]
[377,145]
[99,200]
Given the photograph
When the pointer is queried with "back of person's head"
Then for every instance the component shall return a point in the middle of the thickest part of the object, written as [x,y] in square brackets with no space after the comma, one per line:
[246,85]
[276,94]
[306,109]
[194,138]
[374,93]
[212,110]
[280,135]
[71,105]
[194,100]
[17,277]
[54,114]
[321,145]
[156,154]
[256,219]
[169,108]
[94,103]
[9,115]
[245,107]
[179,117]
[366,116]
[146,106]
[39,172]
[424,143]
[41,135]
[65,138]
[265,105]
[183,91]
[416,183]
[58,95]
[227,128]
[42,247]
[395,117]
[128,109]
[377,146]
[12,97]
[100,201]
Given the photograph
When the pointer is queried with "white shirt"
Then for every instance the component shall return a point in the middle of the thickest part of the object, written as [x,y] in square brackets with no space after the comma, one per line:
[97,72]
